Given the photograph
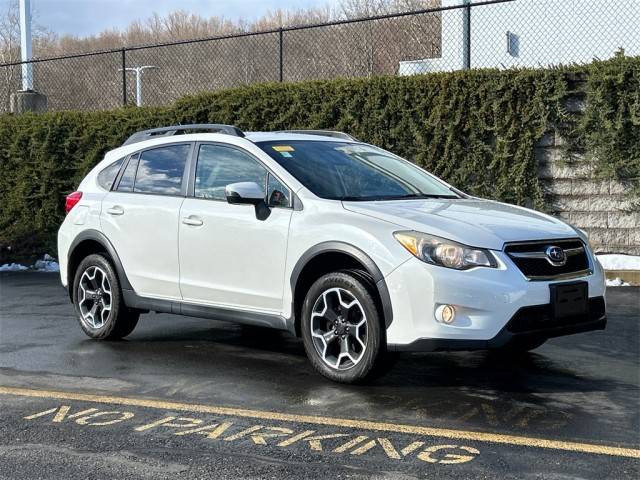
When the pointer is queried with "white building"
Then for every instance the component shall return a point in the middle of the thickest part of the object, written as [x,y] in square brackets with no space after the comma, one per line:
[533,33]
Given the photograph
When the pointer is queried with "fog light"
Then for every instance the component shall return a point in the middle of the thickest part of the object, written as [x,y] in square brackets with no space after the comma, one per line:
[446,314]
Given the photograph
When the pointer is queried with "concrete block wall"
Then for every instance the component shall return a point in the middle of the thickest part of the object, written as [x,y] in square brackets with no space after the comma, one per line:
[603,208]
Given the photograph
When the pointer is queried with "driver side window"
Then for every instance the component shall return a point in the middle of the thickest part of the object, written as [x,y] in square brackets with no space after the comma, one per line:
[218,166]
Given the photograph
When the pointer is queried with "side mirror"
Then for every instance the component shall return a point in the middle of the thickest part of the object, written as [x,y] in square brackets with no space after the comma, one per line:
[249,193]
[244,192]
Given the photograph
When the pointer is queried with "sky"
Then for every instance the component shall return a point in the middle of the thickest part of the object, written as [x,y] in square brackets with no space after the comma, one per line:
[86,17]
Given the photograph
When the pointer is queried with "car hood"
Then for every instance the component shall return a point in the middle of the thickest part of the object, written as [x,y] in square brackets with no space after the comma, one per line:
[474,222]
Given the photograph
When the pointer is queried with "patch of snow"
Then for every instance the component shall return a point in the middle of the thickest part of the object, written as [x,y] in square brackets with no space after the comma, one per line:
[617,282]
[47,264]
[619,262]
[12,267]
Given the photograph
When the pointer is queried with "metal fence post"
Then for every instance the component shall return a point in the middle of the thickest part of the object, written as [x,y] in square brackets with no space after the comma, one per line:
[280,41]
[124,77]
[466,35]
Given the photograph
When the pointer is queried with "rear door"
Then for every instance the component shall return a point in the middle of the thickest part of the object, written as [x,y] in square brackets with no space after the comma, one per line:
[140,218]
[229,257]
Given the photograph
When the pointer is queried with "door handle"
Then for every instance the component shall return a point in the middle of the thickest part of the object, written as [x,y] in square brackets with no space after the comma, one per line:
[115,210]
[192,220]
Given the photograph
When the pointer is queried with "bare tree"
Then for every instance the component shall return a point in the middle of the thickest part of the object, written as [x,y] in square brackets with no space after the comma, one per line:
[10,33]
[9,50]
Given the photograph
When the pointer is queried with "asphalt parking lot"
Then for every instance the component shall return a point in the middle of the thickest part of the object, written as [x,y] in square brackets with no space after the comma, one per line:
[196,398]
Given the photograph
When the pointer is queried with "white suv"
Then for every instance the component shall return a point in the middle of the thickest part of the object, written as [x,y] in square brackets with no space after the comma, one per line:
[352,248]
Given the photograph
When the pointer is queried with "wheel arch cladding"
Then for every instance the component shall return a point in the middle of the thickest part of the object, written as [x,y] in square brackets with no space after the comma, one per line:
[89,242]
[331,256]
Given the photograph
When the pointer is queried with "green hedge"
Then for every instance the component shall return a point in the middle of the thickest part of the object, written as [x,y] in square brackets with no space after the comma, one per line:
[476,129]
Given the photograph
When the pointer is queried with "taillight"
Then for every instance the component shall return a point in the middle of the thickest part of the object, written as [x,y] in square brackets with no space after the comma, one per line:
[71,201]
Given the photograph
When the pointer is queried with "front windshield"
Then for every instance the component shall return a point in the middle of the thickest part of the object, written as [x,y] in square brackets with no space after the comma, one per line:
[353,171]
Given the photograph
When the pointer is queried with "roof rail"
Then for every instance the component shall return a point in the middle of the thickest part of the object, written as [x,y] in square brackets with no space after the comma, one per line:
[177,129]
[324,133]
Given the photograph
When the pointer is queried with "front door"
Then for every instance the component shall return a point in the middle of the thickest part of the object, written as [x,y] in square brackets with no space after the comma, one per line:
[229,257]
[140,217]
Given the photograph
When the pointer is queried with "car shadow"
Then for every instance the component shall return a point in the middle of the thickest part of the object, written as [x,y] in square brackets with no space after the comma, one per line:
[261,349]
[537,392]
[527,372]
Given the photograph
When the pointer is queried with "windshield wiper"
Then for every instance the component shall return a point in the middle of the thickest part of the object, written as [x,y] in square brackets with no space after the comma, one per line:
[368,199]
[392,197]
[353,199]
[418,195]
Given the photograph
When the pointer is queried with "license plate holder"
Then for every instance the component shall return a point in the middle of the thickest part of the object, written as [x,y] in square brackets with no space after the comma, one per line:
[569,299]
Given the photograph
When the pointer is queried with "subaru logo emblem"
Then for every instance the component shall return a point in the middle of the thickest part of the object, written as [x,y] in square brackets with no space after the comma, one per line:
[555,255]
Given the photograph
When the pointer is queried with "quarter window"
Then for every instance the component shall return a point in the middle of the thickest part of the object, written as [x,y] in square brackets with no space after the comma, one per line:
[160,170]
[277,194]
[109,174]
[129,174]
[219,166]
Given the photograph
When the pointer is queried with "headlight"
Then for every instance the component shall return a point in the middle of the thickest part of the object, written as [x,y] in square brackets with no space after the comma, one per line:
[443,252]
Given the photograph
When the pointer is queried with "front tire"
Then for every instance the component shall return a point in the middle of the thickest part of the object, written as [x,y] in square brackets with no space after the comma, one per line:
[341,327]
[98,301]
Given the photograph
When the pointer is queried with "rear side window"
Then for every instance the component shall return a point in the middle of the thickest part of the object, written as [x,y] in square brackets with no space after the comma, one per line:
[129,174]
[160,170]
[109,174]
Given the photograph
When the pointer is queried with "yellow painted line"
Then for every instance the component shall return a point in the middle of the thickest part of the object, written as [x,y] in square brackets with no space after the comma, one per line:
[335,422]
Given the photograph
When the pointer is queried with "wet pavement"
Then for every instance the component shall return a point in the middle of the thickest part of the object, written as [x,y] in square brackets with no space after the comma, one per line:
[570,409]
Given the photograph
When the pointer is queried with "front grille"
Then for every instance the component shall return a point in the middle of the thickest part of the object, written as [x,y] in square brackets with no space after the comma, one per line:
[530,258]
[540,317]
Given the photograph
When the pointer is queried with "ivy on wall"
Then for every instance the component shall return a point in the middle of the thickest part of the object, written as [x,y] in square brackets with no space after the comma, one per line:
[607,133]
[476,129]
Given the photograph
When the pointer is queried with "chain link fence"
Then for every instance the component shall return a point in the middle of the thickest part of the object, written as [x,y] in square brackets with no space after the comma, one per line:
[459,34]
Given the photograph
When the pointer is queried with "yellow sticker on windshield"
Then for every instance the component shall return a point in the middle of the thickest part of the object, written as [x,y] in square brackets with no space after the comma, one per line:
[283,148]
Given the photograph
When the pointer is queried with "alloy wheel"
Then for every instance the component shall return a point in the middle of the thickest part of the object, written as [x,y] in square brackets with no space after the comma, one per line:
[339,328]
[94,297]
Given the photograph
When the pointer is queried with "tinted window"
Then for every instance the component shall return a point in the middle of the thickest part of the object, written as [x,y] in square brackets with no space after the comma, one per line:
[108,175]
[219,166]
[352,171]
[126,182]
[277,194]
[160,170]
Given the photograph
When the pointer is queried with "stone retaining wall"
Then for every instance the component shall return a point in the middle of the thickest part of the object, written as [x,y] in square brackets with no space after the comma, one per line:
[603,208]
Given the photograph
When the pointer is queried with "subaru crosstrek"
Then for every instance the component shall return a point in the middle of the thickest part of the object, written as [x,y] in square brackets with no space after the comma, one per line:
[346,245]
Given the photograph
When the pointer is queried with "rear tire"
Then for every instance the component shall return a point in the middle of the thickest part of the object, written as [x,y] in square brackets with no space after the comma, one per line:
[341,327]
[98,303]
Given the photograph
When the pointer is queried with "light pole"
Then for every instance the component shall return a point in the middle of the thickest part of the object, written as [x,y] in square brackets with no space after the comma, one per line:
[138,71]
[25,45]
[26,99]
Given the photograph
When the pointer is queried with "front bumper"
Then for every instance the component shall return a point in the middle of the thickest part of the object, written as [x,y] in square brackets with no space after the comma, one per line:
[494,306]
[529,324]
